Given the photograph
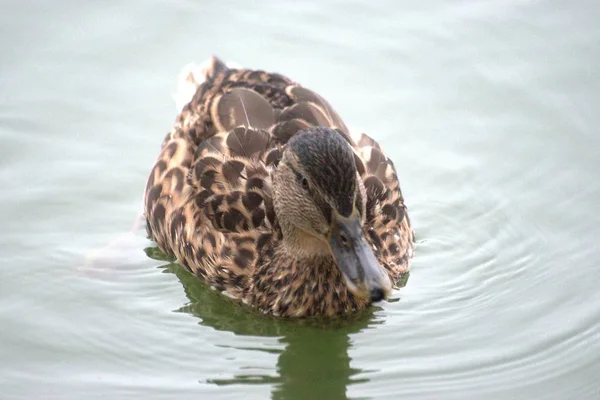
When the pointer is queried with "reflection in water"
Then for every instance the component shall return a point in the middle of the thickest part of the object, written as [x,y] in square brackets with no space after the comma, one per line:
[316,366]
[315,362]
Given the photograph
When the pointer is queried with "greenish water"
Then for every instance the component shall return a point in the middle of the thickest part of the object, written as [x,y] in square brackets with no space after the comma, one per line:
[489,110]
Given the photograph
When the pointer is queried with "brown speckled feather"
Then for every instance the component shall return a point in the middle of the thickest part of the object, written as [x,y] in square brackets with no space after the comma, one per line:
[209,197]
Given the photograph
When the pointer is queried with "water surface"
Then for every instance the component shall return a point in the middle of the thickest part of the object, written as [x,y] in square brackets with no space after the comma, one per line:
[489,110]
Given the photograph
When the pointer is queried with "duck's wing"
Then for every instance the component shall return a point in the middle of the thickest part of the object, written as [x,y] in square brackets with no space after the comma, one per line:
[388,226]
[230,181]
[227,98]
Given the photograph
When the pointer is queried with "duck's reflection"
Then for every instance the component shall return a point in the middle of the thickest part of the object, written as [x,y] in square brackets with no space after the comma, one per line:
[316,366]
[314,363]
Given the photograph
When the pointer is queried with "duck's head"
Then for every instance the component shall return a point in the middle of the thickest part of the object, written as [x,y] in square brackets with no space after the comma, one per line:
[320,205]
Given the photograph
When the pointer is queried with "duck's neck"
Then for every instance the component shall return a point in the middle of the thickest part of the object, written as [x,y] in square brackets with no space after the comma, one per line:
[294,283]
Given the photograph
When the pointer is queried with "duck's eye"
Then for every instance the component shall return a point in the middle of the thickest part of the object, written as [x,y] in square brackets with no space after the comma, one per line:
[344,239]
[304,183]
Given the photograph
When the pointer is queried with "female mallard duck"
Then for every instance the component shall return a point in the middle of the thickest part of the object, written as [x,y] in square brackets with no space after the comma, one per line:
[261,191]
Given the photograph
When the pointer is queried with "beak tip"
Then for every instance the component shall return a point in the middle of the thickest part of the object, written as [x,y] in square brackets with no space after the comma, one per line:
[377,294]
[380,290]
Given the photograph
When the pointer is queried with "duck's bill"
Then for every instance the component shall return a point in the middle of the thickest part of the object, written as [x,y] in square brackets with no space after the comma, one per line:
[364,276]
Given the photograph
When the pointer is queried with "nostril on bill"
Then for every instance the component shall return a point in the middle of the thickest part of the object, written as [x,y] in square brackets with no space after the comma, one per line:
[377,294]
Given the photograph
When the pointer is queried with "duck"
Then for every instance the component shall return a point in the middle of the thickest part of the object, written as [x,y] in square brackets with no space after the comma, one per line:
[262,192]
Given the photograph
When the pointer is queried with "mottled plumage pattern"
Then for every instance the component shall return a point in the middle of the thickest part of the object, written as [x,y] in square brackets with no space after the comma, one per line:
[209,197]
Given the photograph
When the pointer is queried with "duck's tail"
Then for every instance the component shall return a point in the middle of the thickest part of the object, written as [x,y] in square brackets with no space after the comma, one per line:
[193,75]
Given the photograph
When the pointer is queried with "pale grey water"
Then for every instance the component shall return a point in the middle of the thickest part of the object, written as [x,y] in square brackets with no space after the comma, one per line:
[489,110]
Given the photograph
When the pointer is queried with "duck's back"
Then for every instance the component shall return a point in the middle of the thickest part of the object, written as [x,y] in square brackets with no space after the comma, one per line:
[209,199]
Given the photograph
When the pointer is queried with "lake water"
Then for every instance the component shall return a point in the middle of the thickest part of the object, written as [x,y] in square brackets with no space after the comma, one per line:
[489,110]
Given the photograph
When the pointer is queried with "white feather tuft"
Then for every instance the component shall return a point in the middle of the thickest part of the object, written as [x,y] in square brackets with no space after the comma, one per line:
[190,77]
